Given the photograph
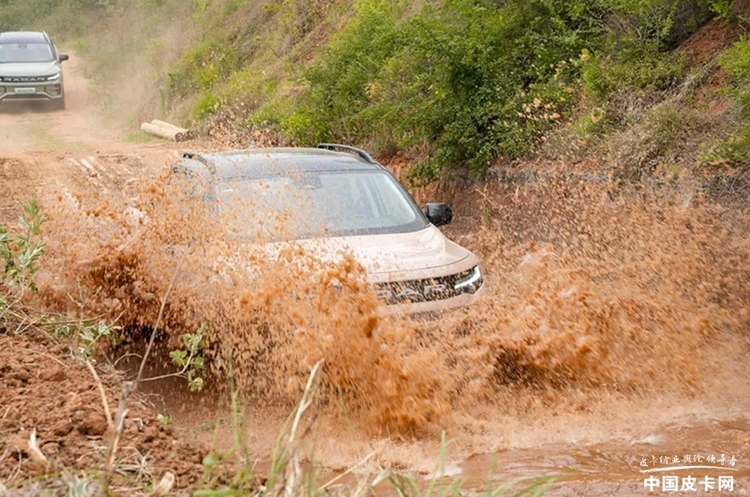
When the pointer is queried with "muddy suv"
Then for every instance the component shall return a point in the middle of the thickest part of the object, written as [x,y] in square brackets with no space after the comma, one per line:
[338,197]
[30,68]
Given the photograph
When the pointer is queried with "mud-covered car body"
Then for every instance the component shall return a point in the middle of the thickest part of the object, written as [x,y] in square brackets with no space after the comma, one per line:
[31,68]
[357,206]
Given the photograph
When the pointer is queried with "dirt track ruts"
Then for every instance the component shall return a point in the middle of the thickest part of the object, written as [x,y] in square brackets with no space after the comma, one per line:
[46,153]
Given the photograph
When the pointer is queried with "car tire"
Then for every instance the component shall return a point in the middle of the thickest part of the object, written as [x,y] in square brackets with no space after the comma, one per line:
[59,104]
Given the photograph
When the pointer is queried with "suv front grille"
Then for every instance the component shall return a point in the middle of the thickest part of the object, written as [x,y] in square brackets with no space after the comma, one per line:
[23,79]
[415,291]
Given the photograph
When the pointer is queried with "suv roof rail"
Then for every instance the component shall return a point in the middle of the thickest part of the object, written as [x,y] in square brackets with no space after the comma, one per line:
[189,154]
[347,148]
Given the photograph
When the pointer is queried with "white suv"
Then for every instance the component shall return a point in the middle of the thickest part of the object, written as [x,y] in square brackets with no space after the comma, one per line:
[30,68]
[338,197]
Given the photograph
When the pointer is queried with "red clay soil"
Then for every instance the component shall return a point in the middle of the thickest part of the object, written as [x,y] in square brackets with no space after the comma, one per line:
[44,388]
[712,39]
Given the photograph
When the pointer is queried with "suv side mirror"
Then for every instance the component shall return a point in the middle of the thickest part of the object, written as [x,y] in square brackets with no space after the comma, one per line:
[63,57]
[438,214]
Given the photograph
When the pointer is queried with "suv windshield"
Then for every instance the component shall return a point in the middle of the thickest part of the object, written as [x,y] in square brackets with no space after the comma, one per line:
[320,204]
[25,52]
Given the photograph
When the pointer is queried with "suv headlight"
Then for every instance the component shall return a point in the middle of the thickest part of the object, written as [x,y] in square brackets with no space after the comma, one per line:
[53,77]
[471,282]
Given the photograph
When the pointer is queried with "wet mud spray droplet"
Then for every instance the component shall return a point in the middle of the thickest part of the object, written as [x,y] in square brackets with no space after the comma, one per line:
[594,301]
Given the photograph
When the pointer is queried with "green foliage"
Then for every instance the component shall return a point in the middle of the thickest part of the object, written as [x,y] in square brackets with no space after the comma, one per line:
[591,124]
[458,82]
[470,79]
[339,84]
[63,18]
[21,248]
[206,105]
[722,9]
[164,419]
[189,359]
[203,66]
[202,70]
[89,335]
[736,63]
[660,24]
[296,18]
[305,126]
[734,151]
[636,68]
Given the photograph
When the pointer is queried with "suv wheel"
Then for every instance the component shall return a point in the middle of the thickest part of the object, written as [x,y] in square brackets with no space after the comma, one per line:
[59,104]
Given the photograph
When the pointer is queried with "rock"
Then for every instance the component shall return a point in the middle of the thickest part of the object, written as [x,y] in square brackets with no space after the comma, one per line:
[55,373]
[19,443]
[62,428]
[51,448]
[93,424]
[21,375]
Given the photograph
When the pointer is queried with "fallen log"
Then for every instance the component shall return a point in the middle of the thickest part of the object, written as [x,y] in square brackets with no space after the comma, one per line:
[161,132]
[164,124]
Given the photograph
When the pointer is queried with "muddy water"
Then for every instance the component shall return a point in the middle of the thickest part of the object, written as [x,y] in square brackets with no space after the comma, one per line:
[614,328]
[621,468]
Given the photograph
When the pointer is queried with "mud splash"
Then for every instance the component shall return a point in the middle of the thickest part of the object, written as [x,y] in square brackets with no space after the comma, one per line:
[271,316]
[597,298]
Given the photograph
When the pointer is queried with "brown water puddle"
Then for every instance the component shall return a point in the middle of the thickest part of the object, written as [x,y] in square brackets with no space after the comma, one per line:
[717,449]
[686,446]
[606,469]
[595,451]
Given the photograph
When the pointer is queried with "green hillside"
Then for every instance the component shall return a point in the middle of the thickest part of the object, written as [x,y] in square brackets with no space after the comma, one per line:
[454,84]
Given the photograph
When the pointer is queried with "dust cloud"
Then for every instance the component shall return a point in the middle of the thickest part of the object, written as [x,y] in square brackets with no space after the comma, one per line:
[32,126]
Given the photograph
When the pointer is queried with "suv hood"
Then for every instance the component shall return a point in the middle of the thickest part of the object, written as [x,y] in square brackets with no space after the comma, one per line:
[423,254]
[393,256]
[29,68]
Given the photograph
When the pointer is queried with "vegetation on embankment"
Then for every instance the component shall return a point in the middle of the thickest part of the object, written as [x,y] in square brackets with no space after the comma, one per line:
[456,84]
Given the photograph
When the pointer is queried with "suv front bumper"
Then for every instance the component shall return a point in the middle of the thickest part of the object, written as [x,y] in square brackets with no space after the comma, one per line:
[50,90]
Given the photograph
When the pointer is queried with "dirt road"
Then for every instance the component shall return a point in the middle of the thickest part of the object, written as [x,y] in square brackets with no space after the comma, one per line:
[45,152]
[642,312]
[33,127]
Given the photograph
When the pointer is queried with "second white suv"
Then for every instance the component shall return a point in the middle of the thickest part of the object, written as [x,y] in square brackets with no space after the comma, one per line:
[30,68]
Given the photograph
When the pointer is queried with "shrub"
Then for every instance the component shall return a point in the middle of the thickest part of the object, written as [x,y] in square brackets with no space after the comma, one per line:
[734,150]
[62,19]
[656,140]
[206,105]
[736,63]
[203,66]
[472,79]
[21,248]
[660,24]
[467,81]
[636,68]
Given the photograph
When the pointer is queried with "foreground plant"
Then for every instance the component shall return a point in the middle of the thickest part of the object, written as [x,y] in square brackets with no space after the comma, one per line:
[21,248]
